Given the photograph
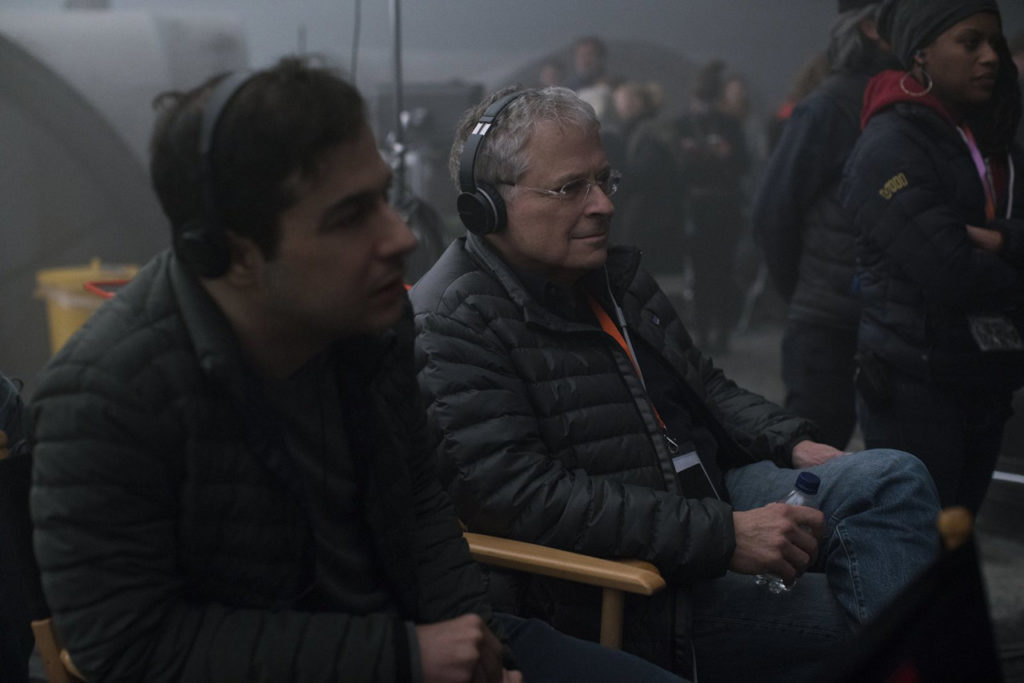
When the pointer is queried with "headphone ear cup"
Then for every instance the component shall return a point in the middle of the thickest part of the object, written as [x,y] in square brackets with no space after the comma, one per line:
[482,211]
[203,248]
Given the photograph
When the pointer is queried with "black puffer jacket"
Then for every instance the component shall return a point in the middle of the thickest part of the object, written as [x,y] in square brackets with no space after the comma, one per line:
[808,241]
[545,431]
[171,544]
[911,186]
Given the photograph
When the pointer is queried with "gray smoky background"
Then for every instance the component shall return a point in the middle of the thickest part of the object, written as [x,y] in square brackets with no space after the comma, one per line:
[77,79]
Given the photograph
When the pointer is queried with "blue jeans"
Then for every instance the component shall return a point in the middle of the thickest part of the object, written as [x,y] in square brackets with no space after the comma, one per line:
[880,509]
[546,656]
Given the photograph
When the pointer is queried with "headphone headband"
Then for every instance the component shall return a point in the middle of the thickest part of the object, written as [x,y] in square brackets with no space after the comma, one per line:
[202,242]
[467,163]
[219,99]
[481,208]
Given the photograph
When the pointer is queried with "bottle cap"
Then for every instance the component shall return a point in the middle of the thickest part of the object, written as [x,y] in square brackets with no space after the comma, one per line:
[808,483]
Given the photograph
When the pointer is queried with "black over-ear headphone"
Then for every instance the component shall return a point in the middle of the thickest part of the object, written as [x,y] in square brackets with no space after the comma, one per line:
[480,206]
[201,241]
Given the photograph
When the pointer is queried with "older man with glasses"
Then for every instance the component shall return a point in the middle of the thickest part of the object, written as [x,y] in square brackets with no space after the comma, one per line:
[572,409]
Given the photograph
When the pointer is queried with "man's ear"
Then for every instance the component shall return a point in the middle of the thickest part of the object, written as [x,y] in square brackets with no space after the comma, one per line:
[246,260]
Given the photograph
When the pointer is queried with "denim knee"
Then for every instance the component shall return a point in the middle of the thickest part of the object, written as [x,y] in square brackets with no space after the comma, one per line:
[881,476]
[892,467]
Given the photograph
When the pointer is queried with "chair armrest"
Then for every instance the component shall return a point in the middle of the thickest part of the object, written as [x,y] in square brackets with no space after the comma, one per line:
[956,525]
[631,576]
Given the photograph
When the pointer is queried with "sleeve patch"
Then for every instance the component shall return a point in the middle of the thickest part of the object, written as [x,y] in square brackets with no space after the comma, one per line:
[894,185]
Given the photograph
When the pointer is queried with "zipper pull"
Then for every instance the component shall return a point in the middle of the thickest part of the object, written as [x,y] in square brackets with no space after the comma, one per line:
[672,444]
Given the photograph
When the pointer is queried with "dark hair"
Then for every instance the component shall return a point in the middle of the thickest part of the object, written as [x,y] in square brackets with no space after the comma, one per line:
[849,50]
[1016,44]
[281,123]
[995,124]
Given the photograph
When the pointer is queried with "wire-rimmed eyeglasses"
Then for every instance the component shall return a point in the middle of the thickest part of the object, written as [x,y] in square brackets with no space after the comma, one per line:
[578,189]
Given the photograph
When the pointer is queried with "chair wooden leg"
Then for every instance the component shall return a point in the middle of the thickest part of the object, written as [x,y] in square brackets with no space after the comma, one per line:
[612,604]
[49,651]
[69,666]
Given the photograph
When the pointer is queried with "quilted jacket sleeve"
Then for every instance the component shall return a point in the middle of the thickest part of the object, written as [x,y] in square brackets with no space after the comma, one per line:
[105,506]
[747,426]
[762,429]
[505,481]
[808,158]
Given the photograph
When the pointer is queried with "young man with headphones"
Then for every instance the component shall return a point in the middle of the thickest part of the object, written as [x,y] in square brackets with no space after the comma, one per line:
[232,480]
[571,408]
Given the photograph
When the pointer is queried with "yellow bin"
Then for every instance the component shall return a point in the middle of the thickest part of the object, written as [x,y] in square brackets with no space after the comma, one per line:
[68,303]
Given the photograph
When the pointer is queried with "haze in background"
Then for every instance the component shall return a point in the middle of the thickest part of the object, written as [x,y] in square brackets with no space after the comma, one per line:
[449,46]
[484,39]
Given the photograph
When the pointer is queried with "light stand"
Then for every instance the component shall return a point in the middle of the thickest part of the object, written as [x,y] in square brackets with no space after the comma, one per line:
[422,219]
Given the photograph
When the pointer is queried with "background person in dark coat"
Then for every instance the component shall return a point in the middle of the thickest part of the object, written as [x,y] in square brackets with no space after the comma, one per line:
[809,243]
[231,476]
[649,205]
[712,149]
[548,432]
[933,192]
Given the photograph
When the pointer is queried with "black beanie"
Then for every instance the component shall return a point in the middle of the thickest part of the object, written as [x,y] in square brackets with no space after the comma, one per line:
[847,5]
[909,25]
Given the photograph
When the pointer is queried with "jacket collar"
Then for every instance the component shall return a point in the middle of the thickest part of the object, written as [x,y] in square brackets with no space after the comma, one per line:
[216,346]
[621,266]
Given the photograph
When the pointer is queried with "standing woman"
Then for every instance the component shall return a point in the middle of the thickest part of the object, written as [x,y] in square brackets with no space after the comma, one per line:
[933,189]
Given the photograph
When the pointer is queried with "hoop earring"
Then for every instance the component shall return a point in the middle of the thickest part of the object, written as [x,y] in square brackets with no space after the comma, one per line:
[922,93]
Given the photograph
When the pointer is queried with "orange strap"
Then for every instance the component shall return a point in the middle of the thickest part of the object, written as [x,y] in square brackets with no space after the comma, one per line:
[612,330]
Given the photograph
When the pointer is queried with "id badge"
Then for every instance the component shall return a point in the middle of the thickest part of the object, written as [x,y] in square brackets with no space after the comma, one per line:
[686,459]
[995,333]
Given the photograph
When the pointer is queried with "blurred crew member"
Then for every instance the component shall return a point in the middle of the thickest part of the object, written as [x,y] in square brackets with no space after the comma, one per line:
[809,243]
[713,152]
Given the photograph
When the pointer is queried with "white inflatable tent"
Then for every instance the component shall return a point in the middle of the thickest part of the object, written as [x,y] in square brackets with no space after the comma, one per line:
[75,116]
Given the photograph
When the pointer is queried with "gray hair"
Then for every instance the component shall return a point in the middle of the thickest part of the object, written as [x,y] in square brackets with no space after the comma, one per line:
[502,156]
[849,49]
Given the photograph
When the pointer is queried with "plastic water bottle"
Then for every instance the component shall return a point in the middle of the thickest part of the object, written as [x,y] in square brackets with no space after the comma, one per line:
[805,492]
